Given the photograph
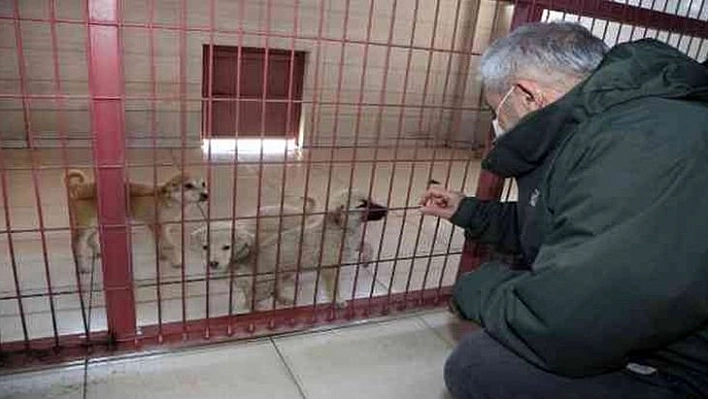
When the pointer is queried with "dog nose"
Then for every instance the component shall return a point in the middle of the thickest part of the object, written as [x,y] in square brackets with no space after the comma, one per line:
[376,212]
[214,264]
[203,196]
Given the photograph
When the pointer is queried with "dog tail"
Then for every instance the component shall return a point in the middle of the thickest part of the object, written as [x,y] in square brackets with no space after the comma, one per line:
[77,186]
[75,177]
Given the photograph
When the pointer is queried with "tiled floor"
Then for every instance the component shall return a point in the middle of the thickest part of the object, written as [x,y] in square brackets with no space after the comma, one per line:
[398,178]
[400,358]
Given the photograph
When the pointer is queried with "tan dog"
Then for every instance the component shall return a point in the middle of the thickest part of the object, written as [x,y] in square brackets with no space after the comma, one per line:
[322,242]
[149,205]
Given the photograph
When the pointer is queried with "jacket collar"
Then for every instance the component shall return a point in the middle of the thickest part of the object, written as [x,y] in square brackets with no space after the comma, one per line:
[645,68]
[526,146]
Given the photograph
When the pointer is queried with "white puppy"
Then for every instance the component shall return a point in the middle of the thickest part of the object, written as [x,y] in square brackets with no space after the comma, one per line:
[224,252]
[324,244]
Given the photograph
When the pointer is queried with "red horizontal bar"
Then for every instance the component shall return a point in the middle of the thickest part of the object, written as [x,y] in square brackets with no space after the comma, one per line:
[248,33]
[265,162]
[196,278]
[230,100]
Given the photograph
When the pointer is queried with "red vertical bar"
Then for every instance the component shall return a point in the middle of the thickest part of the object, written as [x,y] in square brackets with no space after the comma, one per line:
[34,164]
[288,125]
[431,166]
[264,106]
[352,165]
[663,10]
[183,147]
[11,248]
[308,161]
[61,122]
[153,134]
[335,133]
[411,176]
[372,176]
[490,186]
[399,137]
[237,104]
[525,13]
[105,82]
[209,127]
[466,257]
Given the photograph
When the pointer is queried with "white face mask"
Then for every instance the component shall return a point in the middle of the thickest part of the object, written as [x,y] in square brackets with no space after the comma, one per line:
[498,129]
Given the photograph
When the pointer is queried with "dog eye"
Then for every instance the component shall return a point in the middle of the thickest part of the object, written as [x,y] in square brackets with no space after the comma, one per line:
[205,247]
[226,247]
[203,184]
[189,186]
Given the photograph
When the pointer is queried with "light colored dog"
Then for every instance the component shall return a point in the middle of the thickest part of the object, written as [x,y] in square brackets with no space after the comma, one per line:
[153,206]
[217,243]
[316,246]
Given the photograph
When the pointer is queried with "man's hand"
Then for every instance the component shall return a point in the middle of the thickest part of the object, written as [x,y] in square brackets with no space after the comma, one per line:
[440,202]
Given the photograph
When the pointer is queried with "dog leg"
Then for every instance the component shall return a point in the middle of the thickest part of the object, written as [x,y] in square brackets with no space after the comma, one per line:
[265,293]
[157,236]
[94,244]
[168,250]
[81,249]
[285,294]
[366,254]
[243,286]
[330,279]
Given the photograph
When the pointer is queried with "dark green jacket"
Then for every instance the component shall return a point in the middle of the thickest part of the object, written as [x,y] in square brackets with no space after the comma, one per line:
[612,218]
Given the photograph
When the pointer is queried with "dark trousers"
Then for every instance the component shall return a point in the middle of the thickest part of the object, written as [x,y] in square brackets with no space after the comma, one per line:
[481,368]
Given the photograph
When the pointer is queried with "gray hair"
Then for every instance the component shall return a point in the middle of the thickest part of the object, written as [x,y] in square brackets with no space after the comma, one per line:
[544,52]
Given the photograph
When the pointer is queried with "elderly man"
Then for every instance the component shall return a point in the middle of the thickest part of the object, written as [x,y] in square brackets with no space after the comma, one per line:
[610,153]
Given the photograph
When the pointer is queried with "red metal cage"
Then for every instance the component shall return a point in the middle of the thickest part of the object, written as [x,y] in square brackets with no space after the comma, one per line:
[270,102]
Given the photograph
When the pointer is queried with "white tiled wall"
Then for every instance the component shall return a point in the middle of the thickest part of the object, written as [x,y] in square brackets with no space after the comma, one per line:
[450,81]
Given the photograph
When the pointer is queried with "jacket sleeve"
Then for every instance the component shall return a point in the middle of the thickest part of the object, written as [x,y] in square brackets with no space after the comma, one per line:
[490,222]
[623,267]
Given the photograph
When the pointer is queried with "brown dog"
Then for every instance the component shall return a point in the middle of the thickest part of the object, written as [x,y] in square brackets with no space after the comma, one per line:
[152,206]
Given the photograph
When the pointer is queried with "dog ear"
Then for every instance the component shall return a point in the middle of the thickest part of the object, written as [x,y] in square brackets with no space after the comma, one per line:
[174,182]
[241,248]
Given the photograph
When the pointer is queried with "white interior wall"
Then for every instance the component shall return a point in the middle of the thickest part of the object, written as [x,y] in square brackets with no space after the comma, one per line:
[450,81]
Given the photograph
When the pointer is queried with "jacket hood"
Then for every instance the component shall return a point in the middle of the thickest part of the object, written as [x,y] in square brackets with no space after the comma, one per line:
[629,71]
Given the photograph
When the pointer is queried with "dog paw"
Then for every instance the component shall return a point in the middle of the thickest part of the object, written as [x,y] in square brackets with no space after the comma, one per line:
[285,297]
[81,265]
[286,301]
[341,303]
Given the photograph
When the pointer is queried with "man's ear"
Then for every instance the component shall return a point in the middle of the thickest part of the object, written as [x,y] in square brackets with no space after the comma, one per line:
[533,95]
[538,95]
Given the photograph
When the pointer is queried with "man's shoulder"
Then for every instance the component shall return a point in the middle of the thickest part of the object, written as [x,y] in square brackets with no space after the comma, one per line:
[669,121]
[654,130]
